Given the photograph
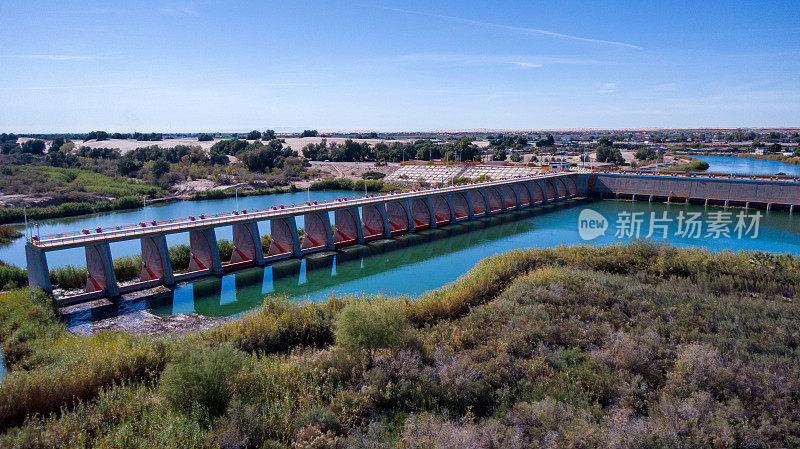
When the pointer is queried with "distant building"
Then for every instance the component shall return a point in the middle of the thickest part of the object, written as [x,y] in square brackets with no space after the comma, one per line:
[558,166]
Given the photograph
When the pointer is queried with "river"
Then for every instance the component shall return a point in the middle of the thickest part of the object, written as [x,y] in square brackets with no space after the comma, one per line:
[748,166]
[414,264]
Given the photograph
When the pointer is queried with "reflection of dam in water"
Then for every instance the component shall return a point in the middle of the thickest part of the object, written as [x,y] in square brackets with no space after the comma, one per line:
[299,278]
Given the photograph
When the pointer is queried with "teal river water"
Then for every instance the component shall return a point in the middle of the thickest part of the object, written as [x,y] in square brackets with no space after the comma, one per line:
[413,264]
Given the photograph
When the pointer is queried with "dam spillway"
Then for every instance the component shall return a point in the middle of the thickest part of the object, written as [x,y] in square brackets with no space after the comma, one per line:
[349,221]
[355,221]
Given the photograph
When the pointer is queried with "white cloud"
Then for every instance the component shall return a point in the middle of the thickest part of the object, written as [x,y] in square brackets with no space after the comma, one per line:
[517,29]
[526,64]
[526,61]
[608,88]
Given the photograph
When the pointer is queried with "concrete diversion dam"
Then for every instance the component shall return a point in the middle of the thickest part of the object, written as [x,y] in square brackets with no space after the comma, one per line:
[373,217]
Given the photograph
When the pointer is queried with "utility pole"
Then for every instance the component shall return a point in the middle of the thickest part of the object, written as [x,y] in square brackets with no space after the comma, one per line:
[236,194]
[144,206]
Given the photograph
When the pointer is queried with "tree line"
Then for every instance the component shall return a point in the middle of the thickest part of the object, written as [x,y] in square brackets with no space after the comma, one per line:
[351,151]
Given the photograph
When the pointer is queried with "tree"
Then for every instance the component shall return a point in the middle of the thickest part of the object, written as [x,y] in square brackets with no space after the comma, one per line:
[516,157]
[605,153]
[60,158]
[57,142]
[499,154]
[646,154]
[126,166]
[268,135]
[547,142]
[35,146]
[8,143]
[96,135]
[775,148]
[159,168]
[606,141]
[216,157]
[230,146]
[309,133]
[204,138]
[253,135]
[466,149]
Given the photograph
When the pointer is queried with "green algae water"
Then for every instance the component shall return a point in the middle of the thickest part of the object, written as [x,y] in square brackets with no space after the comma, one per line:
[416,263]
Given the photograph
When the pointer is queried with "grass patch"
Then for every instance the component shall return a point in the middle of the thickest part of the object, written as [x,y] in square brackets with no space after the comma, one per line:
[571,346]
[694,164]
[373,185]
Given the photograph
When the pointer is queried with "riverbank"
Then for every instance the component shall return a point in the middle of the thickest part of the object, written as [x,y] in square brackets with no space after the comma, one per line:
[601,361]
[772,157]
[7,235]
[16,215]
[694,164]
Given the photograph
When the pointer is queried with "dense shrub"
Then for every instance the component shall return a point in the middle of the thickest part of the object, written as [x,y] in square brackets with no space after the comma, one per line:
[16,214]
[51,369]
[225,249]
[179,256]
[370,325]
[128,268]
[8,234]
[68,277]
[621,346]
[694,164]
[347,184]
[12,277]
[202,376]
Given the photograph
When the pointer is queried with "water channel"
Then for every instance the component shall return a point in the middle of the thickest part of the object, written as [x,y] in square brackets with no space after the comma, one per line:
[748,166]
[414,264]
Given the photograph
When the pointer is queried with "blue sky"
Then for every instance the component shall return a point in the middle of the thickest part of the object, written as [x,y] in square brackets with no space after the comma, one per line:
[393,66]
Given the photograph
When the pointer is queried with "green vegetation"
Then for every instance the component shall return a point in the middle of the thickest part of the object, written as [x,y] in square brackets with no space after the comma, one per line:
[370,325]
[12,277]
[773,157]
[694,164]
[646,154]
[607,153]
[126,268]
[348,184]
[72,179]
[7,235]
[621,346]
[16,214]
[218,194]
[422,149]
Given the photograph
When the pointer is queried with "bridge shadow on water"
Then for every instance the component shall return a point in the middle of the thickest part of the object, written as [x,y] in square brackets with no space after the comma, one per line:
[317,276]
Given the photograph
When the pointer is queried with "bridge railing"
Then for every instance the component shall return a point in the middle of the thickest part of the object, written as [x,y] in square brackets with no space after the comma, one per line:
[188,223]
[698,174]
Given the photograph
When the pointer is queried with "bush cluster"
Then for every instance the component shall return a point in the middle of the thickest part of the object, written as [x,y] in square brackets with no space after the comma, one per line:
[621,346]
